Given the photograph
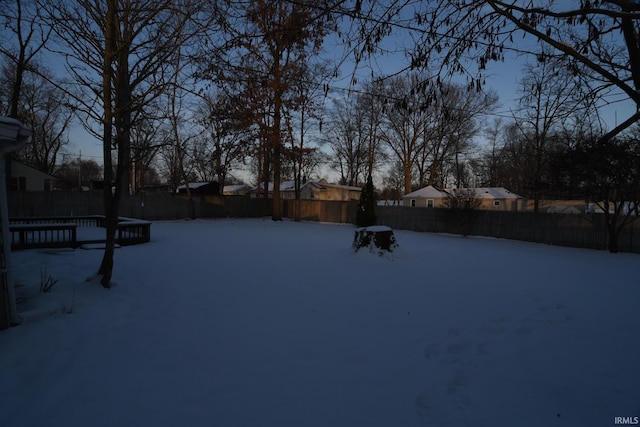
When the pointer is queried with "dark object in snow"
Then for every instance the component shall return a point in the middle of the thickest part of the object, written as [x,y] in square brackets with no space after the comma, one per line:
[379,239]
[366,213]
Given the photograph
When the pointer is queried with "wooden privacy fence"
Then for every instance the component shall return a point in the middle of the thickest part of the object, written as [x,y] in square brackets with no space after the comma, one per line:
[584,231]
[150,206]
[319,210]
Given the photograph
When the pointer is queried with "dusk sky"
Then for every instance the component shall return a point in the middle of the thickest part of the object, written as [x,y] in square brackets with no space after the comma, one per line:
[502,77]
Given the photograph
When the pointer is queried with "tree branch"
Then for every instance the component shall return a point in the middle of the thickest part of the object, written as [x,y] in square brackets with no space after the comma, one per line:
[566,49]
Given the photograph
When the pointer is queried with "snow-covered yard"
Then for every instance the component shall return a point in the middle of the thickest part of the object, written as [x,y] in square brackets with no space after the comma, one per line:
[260,323]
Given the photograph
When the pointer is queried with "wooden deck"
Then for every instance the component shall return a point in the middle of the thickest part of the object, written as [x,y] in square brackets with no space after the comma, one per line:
[61,232]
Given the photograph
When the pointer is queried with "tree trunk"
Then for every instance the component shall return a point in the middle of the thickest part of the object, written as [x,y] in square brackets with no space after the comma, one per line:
[106,266]
[17,87]
[406,168]
[612,238]
[276,214]
[266,167]
[122,121]
[276,144]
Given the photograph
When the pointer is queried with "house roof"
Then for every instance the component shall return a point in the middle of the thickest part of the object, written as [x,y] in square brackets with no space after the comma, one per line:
[321,184]
[237,187]
[210,188]
[431,192]
[19,167]
[284,186]
[324,183]
[192,185]
[428,192]
[491,193]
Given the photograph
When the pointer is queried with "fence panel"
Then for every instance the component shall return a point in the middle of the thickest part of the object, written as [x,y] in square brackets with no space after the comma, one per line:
[319,210]
[583,231]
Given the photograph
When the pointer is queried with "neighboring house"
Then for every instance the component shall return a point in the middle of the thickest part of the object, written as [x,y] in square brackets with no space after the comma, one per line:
[26,178]
[285,187]
[490,198]
[563,210]
[322,190]
[628,208]
[499,199]
[200,188]
[155,188]
[313,190]
[213,188]
[427,197]
[236,190]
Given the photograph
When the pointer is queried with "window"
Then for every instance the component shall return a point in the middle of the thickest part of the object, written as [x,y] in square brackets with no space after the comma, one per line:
[18,183]
[413,203]
[497,203]
[429,203]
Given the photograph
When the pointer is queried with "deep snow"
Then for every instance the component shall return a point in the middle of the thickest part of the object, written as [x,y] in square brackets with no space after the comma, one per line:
[259,323]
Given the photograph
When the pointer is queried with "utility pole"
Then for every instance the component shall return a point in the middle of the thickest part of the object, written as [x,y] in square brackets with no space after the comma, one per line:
[80,170]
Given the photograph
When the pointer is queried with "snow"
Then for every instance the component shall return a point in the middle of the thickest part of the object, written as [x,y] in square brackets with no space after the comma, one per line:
[489,193]
[259,323]
[429,192]
[378,228]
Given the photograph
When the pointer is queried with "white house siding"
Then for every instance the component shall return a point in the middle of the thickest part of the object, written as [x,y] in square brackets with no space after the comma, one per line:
[26,178]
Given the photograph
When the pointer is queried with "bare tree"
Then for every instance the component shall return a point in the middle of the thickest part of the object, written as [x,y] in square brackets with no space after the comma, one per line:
[119,54]
[404,122]
[371,107]
[463,202]
[550,98]
[455,117]
[394,182]
[268,44]
[76,174]
[174,162]
[178,115]
[609,176]
[146,141]
[44,108]
[22,40]
[225,139]
[347,140]
[597,40]
[302,155]
[489,159]
[25,37]
[430,127]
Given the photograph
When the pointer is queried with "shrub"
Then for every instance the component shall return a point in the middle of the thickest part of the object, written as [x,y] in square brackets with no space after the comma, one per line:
[46,281]
[366,213]
[463,203]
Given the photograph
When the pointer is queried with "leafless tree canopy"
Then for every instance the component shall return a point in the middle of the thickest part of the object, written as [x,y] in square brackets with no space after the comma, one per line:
[597,40]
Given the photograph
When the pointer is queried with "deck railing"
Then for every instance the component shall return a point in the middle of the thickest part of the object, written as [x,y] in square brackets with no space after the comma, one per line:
[57,232]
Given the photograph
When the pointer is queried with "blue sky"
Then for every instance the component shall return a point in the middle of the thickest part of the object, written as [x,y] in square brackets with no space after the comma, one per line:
[503,77]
